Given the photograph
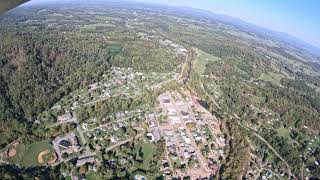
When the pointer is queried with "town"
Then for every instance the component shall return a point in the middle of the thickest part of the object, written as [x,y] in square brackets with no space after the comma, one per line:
[194,143]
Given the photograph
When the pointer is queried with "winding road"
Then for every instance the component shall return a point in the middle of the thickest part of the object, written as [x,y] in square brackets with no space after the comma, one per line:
[270,147]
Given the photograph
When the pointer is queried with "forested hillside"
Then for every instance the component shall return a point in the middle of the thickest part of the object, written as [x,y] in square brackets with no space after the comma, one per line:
[44,59]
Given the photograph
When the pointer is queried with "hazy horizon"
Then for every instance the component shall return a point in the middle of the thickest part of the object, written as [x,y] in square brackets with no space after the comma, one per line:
[272,15]
[281,16]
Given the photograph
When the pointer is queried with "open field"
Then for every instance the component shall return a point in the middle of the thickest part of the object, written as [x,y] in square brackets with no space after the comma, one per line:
[47,156]
[271,77]
[148,151]
[20,150]
[284,132]
[30,157]
[92,176]
[202,59]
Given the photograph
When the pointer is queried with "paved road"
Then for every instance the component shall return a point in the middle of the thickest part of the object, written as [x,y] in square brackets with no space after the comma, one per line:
[89,154]
[201,159]
[137,93]
[128,140]
[59,123]
[104,125]
[3,150]
[262,139]
[7,146]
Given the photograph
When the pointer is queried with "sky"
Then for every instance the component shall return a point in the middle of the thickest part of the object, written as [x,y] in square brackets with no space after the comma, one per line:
[300,18]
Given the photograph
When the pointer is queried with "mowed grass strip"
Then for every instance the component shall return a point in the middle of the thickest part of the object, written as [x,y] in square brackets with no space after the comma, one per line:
[30,157]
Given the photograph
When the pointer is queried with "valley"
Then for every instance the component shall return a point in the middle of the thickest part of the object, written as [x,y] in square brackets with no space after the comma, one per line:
[146,92]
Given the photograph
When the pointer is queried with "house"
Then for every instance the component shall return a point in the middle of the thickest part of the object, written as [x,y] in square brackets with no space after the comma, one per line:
[171,111]
[174,120]
[93,87]
[166,101]
[65,117]
[184,113]
[86,160]
[85,126]
[93,168]
[139,177]
[154,135]
[214,168]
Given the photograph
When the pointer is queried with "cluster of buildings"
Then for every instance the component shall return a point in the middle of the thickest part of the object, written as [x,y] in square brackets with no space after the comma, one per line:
[262,169]
[87,160]
[179,50]
[117,81]
[65,118]
[153,133]
[68,144]
[110,131]
[186,128]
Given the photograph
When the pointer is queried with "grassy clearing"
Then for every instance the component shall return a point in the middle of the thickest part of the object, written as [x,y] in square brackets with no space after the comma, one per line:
[272,77]
[257,99]
[149,150]
[30,157]
[202,60]
[94,26]
[284,132]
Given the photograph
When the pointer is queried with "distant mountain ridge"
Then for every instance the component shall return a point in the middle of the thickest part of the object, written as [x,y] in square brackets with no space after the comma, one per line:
[281,36]
[201,13]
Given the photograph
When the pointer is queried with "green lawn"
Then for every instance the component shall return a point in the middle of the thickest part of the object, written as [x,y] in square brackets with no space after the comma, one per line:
[30,157]
[202,59]
[148,151]
[92,176]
